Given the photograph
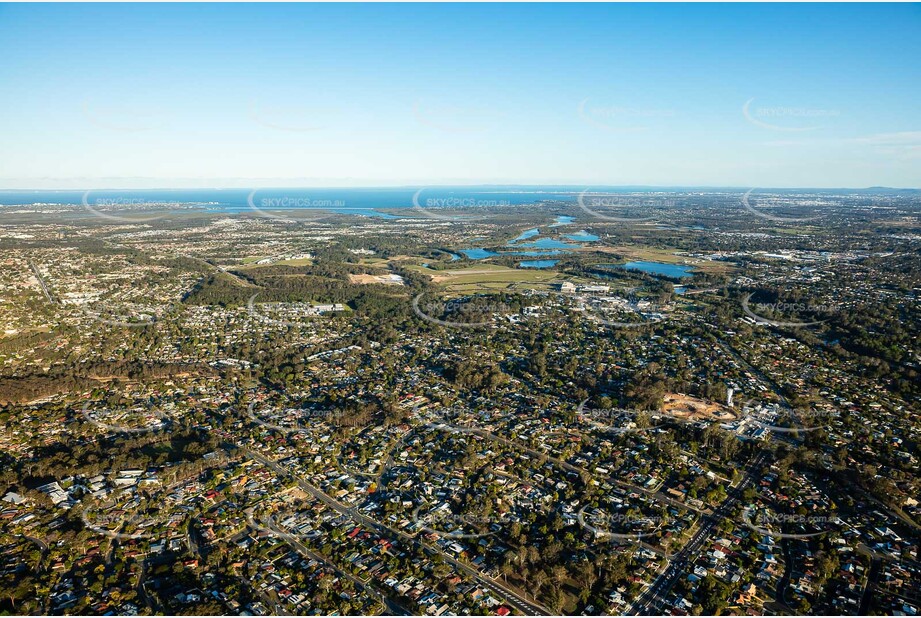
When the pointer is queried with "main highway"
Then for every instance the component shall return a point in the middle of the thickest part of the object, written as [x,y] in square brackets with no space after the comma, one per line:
[648,602]
[41,282]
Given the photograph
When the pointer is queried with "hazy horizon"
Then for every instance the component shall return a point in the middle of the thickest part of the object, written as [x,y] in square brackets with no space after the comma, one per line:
[543,187]
[172,95]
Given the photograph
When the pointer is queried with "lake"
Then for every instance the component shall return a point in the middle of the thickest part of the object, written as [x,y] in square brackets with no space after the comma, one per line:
[563,220]
[538,264]
[525,235]
[547,243]
[477,253]
[675,271]
[534,253]
[581,236]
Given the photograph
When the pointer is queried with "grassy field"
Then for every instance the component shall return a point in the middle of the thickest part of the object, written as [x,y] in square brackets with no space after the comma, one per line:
[491,277]
[250,262]
[252,259]
[374,261]
[297,262]
[646,254]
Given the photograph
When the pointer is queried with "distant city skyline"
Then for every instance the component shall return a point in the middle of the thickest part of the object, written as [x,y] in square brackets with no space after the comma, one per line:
[234,96]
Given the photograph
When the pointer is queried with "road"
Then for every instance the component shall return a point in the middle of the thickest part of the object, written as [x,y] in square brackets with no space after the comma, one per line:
[513,598]
[41,545]
[42,566]
[867,597]
[388,463]
[656,495]
[234,277]
[149,599]
[194,545]
[602,535]
[394,609]
[761,375]
[649,601]
[41,282]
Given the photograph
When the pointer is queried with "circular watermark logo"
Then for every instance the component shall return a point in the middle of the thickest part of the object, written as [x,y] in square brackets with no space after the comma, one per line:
[619,118]
[631,526]
[290,420]
[449,525]
[758,312]
[116,521]
[618,420]
[290,118]
[447,427]
[475,312]
[138,315]
[307,311]
[772,417]
[788,119]
[746,203]
[600,314]
[287,524]
[309,210]
[812,525]
[454,118]
[143,315]
[449,419]
[437,198]
[592,202]
[140,320]
[118,208]
[121,119]
[128,306]
[138,419]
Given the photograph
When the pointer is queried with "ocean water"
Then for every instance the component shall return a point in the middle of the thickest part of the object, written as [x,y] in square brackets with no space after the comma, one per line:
[362,201]
[347,198]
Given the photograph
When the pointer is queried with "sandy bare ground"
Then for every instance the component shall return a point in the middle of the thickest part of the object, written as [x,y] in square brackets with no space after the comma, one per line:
[366,279]
[693,409]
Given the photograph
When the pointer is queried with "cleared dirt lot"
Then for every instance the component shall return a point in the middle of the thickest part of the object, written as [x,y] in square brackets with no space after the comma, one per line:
[693,409]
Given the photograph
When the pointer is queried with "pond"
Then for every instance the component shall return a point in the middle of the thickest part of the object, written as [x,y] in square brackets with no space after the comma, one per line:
[547,243]
[533,253]
[478,253]
[538,264]
[581,236]
[676,271]
[525,235]
[563,220]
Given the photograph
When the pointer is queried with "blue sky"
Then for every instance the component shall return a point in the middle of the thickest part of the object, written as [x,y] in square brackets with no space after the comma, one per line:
[169,95]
